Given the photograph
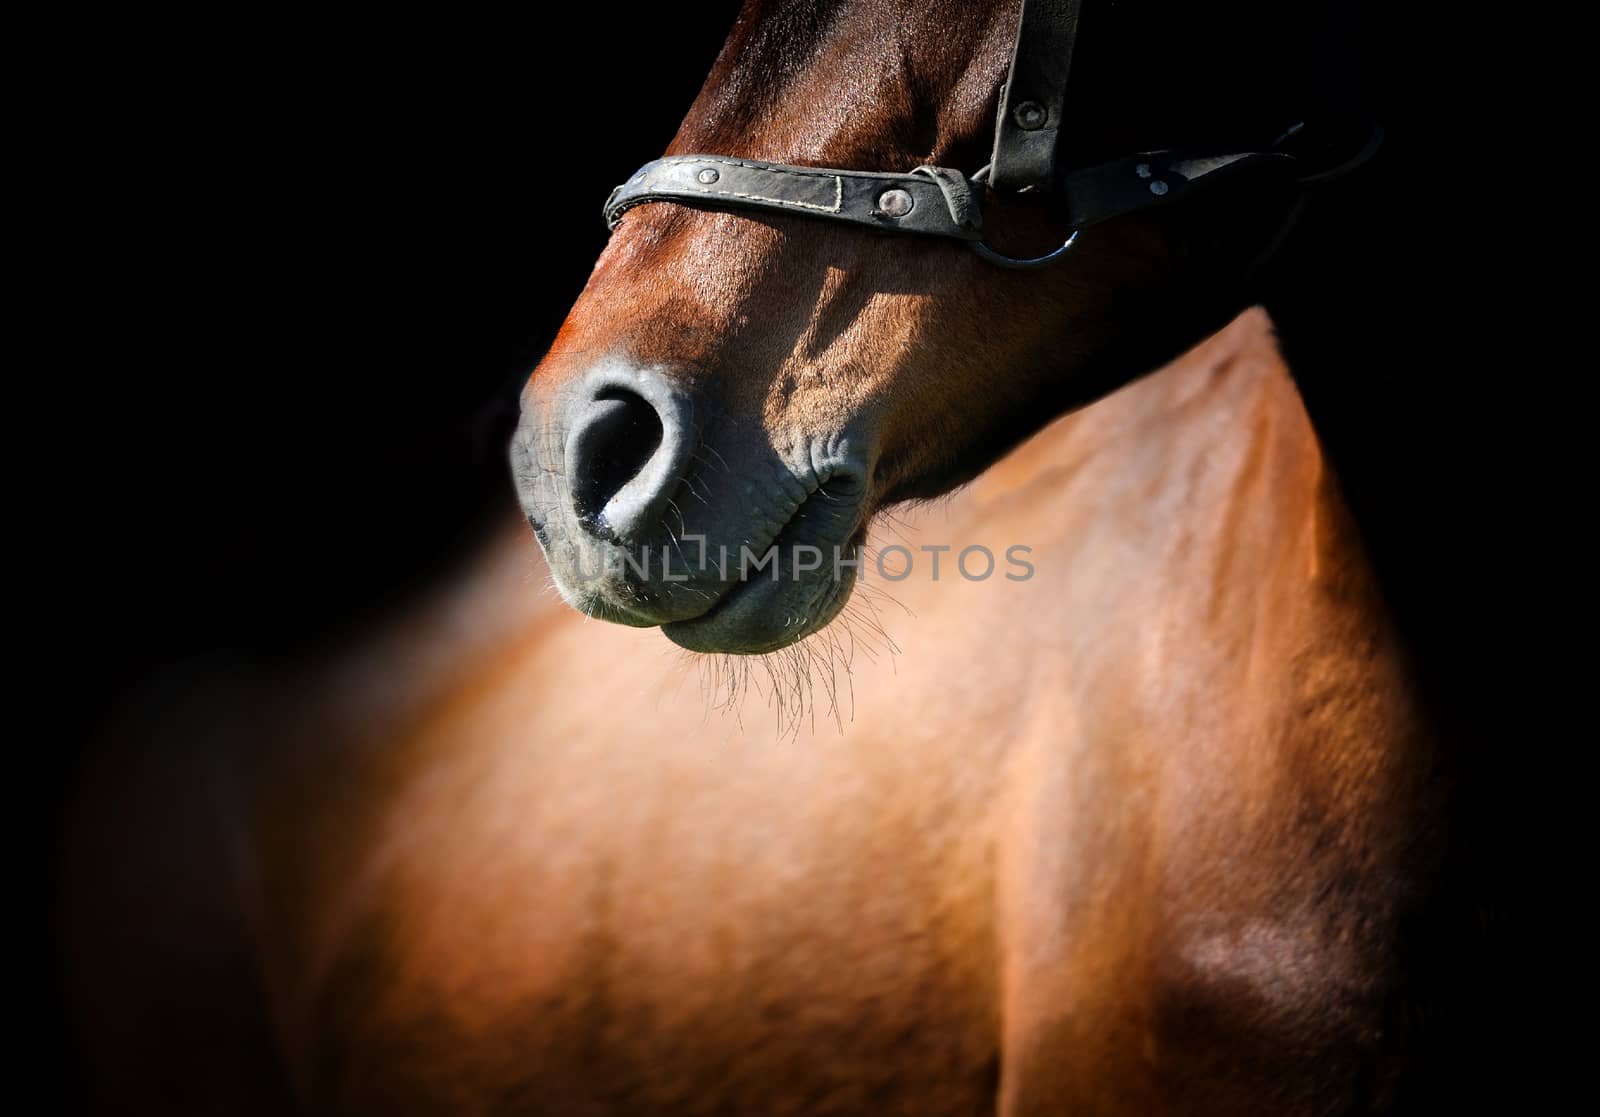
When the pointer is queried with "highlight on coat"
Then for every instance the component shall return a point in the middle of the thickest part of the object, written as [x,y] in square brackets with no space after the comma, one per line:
[1036,730]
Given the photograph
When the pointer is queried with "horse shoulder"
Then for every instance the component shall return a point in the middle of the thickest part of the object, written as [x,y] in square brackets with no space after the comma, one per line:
[1218,841]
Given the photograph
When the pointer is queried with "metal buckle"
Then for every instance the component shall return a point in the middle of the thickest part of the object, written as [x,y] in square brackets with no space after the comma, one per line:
[1015,263]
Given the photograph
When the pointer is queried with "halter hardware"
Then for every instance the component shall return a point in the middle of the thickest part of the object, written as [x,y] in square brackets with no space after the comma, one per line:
[941,202]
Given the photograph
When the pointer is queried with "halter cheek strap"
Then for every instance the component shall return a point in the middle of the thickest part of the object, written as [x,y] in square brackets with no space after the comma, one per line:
[941,202]
[1034,100]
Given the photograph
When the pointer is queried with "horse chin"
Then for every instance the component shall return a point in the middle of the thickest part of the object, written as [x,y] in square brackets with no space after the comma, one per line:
[767,611]
[761,616]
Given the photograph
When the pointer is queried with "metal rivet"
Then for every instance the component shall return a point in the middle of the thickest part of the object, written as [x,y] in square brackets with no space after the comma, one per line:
[707,175]
[1158,187]
[895,203]
[1029,116]
[1142,170]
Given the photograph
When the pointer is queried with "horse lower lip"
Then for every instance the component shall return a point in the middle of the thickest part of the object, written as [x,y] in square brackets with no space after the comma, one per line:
[754,618]
[740,589]
[765,624]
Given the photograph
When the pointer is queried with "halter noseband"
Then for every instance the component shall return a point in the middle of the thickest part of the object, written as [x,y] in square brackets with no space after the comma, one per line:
[938,201]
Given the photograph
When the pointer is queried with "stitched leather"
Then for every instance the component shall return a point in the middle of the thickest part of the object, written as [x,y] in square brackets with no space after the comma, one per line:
[939,201]
[942,202]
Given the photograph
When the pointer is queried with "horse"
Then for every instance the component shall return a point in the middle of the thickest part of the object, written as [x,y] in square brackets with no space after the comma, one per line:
[1146,828]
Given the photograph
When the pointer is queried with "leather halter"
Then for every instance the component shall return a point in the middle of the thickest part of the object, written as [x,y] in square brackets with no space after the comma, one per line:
[939,201]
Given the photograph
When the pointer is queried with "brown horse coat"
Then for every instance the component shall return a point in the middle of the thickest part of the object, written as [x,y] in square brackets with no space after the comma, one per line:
[1134,835]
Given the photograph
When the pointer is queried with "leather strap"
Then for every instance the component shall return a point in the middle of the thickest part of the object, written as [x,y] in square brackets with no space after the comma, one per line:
[1151,179]
[941,201]
[932,201]
[1033,102]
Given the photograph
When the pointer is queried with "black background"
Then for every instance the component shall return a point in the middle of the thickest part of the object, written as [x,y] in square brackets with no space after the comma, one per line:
[298,270]
[336,253]
[294,274]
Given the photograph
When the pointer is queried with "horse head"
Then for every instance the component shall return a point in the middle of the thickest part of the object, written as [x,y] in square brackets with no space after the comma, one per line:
[737,392]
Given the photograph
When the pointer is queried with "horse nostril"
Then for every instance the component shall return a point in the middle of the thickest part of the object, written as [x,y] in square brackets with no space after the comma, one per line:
[628,444]
[613,440]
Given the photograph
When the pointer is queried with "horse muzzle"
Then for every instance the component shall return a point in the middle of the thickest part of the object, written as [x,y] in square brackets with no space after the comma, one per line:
[653,509]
